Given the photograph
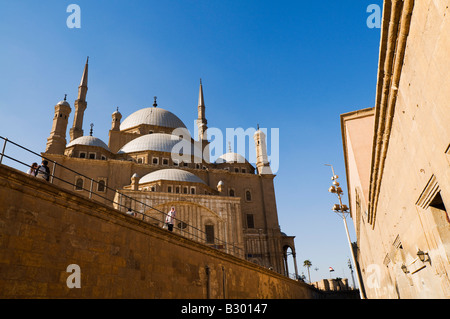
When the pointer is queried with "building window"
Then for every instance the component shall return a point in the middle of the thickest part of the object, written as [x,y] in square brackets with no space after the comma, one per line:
[192,190]
[103,158]
[152,189]
[165,161]
[79,184]
[209,230]
[236,170]
[243,170]
[155,160]
[169,189]
[82,155]
[101,185]
[175,162]
[437,202]
[250,221]
[177,189]
[248,196]
[231,192]
[91,155]
[182,225]
[185,190]
[440,213]
[197,166]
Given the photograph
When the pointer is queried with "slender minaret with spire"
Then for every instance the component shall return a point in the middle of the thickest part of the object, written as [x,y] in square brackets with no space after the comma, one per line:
[201,121]
[80,105]
[201,124]
[262,161]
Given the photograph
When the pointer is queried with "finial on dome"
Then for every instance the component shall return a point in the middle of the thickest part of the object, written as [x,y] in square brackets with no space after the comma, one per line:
[229,146]
[154,102]
[90,133]
[65,97]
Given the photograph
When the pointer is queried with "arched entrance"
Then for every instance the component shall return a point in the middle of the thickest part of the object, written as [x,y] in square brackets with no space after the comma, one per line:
[288,256]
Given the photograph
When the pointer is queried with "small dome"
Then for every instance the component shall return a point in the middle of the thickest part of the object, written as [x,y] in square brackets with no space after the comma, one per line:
[88,141]
[63,103]
[171,174]
[161,142]
[231,158]
[152,116]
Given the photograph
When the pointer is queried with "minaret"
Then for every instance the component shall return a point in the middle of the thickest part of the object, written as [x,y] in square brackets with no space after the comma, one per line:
[201,121]
[116,117]
[80,105]
[56,143]
[262,162]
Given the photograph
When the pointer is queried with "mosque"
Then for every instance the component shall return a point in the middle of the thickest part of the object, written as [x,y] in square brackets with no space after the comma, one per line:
[152,163]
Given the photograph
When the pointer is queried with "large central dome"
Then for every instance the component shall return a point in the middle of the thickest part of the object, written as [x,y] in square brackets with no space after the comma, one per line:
[152,116]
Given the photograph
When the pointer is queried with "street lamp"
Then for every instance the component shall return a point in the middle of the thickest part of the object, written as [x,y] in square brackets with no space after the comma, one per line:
[343,209]
[423,256]
[351,270]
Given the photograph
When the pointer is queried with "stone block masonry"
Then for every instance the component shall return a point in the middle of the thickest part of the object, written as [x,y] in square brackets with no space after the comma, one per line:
[45,228]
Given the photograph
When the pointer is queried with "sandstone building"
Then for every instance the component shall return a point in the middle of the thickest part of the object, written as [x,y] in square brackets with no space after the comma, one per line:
[397,157]
[151,163]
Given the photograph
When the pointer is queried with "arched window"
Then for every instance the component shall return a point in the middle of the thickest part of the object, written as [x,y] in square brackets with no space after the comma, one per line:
[231,192]
[79,184]
[248,196]
[101,186]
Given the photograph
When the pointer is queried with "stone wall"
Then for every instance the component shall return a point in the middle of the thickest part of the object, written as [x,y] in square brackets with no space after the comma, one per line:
[44,229]
[409,190]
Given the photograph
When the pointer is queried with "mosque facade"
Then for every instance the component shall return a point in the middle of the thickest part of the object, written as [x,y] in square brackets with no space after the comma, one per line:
[151,163]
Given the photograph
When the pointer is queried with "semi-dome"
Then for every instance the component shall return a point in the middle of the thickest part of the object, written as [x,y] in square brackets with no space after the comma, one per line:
[231,157]
[171,174]
[152,116]
[88,141]
[161,142]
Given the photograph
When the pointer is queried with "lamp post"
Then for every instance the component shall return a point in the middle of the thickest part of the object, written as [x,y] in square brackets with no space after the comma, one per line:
[343,209]
[351,270]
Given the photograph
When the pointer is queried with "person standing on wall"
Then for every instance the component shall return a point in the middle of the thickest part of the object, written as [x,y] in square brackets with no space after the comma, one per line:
[32,169]
[170,218]
[43,171]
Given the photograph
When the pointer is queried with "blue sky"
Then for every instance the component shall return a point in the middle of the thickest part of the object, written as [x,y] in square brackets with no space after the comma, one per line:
[292,65]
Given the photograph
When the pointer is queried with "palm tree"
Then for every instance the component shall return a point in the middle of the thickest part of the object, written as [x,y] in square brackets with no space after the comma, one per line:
[307,263]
